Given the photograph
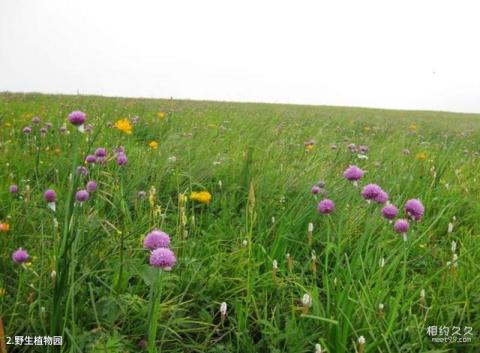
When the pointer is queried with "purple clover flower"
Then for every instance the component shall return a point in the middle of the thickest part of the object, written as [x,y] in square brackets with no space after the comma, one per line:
[122,159]
[50,195]
[414,209]
[401,226]
[390,212]
[156,239]
[382,197]
[371,191]
[101,152]
[91,186]
[20,256]
[90,159]
[77,118]
[315,189]
[81,170]
[326,206]
[163,258]
[82,195]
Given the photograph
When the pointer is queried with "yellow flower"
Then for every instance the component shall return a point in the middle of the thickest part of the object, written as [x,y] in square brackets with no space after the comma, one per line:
[8,125]
[309,147]
[153,145]
[421,156]
[413,127]
[4,227]
[2,292]
[161,115]
[124,126]
[202,196]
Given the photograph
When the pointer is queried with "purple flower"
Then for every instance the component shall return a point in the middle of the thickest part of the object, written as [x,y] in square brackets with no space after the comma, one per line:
[81,170]
[26,130]
[77,118]
[82,195]
[120,150]
[371,191]
[352,147]
[90,159]
[36,120]
[89,128]
[63,129]
[363,149]
[135,120]
[156,239]
[122,159]
[353,173]
[101,160]
[50,195]
[20,256]
[326,206]
[382,197]
[389,212]
[101,152]
[43,131]
[91,186]
[414,209]
[163,258]
[48,125]
[401,226]
[13,189]
[315,189]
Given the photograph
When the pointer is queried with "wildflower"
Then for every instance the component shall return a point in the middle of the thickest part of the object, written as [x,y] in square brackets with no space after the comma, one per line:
[91,186]
[353,173]
[89,128]
[450,227]
[63,129]
[43,131]
[153,145]
[50,197]
[163,258]
[414,209]
[389,212]
[82,195]
[274,265]
[309,145]
[90,159]
[81,170]
[13,189]
[454,246]
[244,243]
[306,302]
[156,239]
[318,348]
[363,149]
[172,159]
[315,189]
[77,118]
[382,197]
[223,310]
[371,191]
[352,147]
[161,115]
[202,196]
[122,159]
[361,344]
[362,156]
[413,128]
[326,206]
[20,256]
[401,226]
[421,156]
[135,120]
[4,227]
[124,126]
[36,120]
[26,130]
[101,152]
[141,194]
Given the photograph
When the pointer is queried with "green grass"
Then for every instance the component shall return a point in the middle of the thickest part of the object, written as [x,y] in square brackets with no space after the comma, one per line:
[251,158]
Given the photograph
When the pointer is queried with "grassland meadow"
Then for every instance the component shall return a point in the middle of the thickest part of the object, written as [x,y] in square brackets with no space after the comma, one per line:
[142,225]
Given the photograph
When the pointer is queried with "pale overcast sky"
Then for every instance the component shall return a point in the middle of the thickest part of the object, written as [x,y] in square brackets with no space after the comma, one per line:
[393,54]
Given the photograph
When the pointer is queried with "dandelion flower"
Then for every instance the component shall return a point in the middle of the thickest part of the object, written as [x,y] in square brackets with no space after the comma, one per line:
[421,156]
[124,126]
[163,258]
[414,209]
[156,239]
[20,256]
[326,206]
[153,145]
[202,196]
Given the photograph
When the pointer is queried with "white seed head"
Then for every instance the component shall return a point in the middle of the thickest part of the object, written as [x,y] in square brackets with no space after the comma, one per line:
[307,300]
[223,308]
[450,227]
[310,227]
[381,306]
[361,340]
[454,246]
[275,264]
[318,348]
[53,274]
[244,243]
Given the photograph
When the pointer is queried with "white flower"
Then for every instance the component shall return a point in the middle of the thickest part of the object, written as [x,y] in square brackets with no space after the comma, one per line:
[318,348]
[172,159]
[422,293]
[454,246]
[310,227]
[361,340]
[244,243]
[450,227]
[381,306]
[275,264]
[307,300]
[223,308]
